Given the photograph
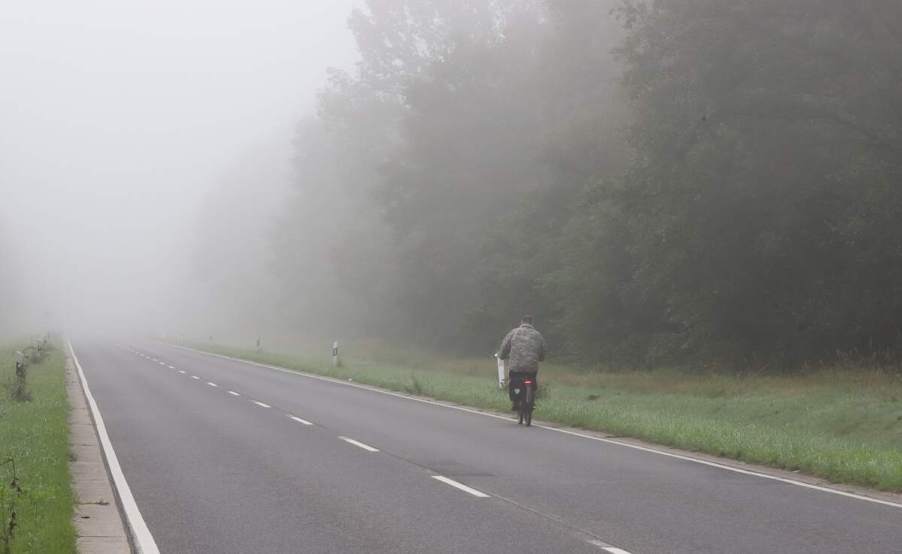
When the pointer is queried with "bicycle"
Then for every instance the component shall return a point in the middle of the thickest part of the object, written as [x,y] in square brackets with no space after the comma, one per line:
[525,392]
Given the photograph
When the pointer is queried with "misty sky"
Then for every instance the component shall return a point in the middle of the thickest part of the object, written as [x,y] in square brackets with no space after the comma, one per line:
[117,117]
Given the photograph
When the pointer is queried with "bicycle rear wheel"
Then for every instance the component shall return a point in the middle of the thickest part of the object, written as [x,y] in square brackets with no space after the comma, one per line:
[529,404]
[521,401]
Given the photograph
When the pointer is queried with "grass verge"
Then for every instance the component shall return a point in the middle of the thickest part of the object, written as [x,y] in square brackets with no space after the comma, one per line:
[844,426]
[35,434]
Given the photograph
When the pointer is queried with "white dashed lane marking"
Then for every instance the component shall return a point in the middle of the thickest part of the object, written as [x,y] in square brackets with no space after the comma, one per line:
[610,549]
[359,444]
[460,486]
[451,482]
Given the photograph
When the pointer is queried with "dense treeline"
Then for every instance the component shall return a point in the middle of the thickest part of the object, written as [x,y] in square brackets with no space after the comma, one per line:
[765,195]
[658,182]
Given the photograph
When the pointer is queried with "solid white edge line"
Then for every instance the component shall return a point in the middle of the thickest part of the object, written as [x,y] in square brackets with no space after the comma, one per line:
[261,404]
[359,444]
[233,393]
[460,486]
[299,420]
[614,550]
[564,431]
[212,384]
[143,540]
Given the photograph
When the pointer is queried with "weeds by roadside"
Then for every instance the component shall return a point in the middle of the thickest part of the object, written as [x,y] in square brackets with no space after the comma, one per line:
[35,434]
[10,491]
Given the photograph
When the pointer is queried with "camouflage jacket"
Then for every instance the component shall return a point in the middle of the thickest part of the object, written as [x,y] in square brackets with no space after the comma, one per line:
[524,348]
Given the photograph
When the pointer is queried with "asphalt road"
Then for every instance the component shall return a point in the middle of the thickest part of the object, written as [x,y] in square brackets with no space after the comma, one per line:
[224,456]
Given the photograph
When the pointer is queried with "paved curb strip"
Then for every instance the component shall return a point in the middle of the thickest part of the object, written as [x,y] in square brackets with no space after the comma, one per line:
[106,534]
[97,521]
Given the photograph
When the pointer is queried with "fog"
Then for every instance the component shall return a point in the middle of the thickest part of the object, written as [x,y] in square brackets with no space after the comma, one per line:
[118,119]
[658,183]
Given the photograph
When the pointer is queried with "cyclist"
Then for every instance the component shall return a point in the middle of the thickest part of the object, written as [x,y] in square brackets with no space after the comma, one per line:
[524,348]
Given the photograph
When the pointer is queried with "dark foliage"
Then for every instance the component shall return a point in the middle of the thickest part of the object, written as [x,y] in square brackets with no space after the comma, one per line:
[658,182]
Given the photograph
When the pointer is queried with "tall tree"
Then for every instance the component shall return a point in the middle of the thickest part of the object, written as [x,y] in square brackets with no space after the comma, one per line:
[531,258]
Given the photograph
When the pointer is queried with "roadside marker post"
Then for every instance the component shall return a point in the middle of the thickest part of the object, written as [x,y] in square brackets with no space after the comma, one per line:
[500,371]
[335,360]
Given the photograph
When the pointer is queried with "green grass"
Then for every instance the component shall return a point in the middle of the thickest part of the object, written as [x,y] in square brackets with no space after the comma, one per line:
[36,435]
[844,426]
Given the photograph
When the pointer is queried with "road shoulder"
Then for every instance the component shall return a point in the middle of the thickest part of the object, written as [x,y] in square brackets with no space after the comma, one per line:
[97,518]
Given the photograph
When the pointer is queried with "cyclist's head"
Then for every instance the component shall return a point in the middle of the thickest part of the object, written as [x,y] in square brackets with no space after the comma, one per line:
[527,319]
